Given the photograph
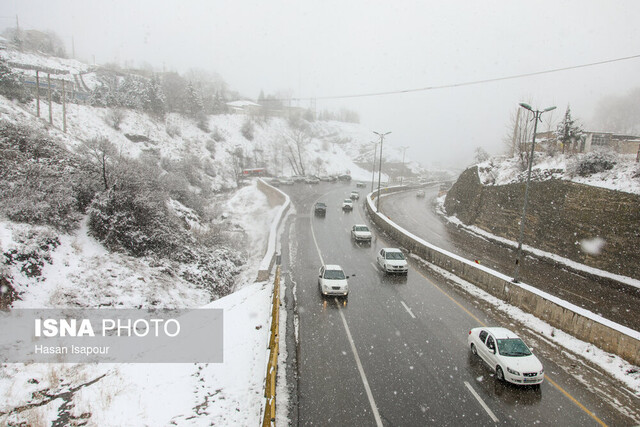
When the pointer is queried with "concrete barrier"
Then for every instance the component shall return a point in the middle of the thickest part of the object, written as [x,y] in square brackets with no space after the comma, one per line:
[275,198]
[576,321]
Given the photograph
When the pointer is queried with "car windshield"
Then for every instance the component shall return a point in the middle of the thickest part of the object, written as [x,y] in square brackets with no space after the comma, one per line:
[334,275]
[320,205]
[513,347]
[347,201]
[394,255]
[361,228]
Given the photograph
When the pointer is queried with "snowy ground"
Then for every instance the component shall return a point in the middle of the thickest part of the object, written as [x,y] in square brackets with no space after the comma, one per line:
[230,393]
[624,176]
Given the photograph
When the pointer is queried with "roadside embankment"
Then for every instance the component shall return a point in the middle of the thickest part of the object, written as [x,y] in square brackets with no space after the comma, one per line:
[580,323]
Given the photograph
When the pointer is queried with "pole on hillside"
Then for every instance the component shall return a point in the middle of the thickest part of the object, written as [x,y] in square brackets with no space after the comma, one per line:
[64,109]
[37,93]
[49,94]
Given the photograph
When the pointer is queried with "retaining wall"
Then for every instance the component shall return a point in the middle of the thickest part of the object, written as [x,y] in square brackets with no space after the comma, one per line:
[580,323]
[275,198]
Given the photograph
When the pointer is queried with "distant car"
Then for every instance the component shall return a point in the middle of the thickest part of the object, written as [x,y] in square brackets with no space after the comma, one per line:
[297,178]
[286,181]
[324,178]
[354,195]
[392,260]
[311,180]
[507,355]
[420,193]
[320,209]
[345,177]
[332,280]
[275,182]
[347,205]
[361,185]
[361,233]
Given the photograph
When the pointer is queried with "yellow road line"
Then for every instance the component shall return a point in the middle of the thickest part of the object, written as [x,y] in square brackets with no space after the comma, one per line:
[553,383]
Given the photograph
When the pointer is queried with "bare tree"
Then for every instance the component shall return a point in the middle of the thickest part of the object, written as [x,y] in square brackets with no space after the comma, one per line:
[102,153]
[295,142]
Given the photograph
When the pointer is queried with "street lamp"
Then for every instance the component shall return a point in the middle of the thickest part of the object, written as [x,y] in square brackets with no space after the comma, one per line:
[404,150]
[381,135]
[536,118]
[373,168]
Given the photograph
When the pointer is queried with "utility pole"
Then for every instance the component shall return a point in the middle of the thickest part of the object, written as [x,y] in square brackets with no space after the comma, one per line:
[373,168]
[404,150]
[381,135]
[38,93]
[536,118]
[64,109]
[50,112]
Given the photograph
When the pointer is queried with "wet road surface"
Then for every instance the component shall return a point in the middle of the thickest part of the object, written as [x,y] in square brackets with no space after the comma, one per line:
[395,351]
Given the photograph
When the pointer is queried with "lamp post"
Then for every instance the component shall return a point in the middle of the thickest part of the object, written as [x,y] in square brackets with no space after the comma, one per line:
[373,168]
[536,118]
[404,151]
[381,135]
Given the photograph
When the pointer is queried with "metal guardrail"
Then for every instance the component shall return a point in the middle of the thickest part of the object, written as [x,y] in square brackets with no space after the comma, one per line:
[272,365]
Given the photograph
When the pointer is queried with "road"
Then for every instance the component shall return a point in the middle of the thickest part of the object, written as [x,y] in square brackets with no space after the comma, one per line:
[606,297]
[395,352]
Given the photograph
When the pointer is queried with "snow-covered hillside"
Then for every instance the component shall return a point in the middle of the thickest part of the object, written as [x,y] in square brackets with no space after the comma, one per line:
[611,171]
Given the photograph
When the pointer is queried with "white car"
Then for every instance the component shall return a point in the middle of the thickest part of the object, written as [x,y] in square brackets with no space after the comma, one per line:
[507,355]
[354,195]
[332,280]
[347,205]
[392,260]
[361,233]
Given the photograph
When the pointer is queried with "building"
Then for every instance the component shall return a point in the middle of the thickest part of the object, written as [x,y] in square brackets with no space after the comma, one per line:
[244,107]
[592,141]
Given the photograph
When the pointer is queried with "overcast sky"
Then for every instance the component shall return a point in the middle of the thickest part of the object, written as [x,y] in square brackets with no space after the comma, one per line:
[342,47]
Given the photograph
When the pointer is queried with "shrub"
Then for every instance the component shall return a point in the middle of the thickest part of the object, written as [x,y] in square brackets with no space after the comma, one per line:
[247,130]
[593,163]
[134,222]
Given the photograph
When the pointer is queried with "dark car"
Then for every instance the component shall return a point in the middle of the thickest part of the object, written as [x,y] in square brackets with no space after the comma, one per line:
[320,209]
[344,177]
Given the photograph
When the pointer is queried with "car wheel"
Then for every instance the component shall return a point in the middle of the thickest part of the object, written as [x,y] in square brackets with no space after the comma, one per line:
[499,373]
[474,350]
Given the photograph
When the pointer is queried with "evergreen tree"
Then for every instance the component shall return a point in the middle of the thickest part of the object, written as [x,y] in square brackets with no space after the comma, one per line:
[569,132]
[192,102]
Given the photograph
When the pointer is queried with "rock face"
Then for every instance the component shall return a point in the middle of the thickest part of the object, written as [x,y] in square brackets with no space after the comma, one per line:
[590,225]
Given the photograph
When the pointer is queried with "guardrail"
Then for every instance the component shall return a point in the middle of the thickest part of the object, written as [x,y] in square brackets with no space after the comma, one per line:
[269,418]
[275,197]
[576,321]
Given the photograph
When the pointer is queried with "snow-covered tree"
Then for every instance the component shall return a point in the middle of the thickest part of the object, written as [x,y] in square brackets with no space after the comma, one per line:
[569,132]
[192,101]
[11,84]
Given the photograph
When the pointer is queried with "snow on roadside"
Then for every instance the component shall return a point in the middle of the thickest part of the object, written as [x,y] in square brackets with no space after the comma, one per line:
[614,365]
[539,253]
[228,393]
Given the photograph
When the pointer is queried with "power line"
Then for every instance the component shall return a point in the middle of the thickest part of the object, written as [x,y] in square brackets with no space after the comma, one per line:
[474,82]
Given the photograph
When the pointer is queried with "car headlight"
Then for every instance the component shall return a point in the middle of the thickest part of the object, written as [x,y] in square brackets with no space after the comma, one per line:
[541,372]
[512,372]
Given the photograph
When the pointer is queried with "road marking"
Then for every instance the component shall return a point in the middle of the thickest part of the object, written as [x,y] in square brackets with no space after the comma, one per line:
[374,408]
[408,309]
[553,383]
[375,267]
[484,405]
[372,402]
[580,405]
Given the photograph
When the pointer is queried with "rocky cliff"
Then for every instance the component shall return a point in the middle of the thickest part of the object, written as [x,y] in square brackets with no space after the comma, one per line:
[561,215]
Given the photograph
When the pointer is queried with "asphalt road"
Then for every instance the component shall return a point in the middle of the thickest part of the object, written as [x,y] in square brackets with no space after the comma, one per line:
[395,351]
[606,297]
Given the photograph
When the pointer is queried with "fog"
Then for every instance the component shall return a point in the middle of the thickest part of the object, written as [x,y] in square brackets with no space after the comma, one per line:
[337,48]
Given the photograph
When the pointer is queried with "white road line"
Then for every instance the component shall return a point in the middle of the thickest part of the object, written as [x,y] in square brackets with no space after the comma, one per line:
[375,267]
[372,402]
[484,405]
[408,309]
